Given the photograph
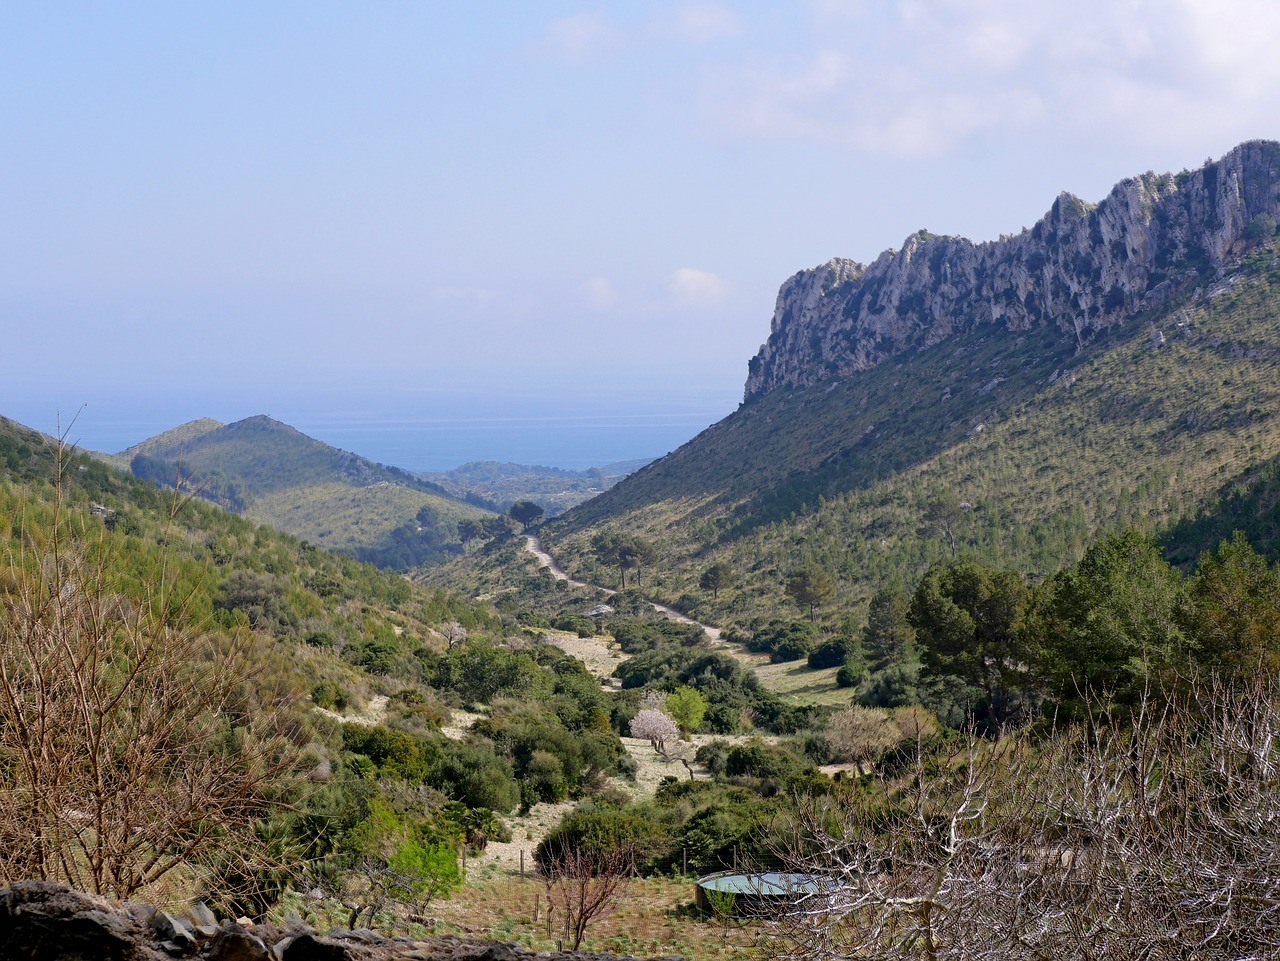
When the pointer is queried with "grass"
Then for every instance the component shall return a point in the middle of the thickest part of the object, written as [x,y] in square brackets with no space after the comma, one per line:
[341,517]
[654,917]
[798,682]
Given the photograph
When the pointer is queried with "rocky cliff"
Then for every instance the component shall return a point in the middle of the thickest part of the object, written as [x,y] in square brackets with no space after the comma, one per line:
[1081,269]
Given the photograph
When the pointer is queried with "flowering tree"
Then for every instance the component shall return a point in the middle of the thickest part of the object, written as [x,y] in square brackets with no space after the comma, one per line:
[656,728]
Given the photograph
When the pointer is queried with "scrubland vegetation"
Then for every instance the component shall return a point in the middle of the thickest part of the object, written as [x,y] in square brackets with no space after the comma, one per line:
[1025,725]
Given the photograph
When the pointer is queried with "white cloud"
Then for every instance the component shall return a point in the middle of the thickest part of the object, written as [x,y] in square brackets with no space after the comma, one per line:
[600,293]
[696,288]
[703,22]
[923,77]
[583,37]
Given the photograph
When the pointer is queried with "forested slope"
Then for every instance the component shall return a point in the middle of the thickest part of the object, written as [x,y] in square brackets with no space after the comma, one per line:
[1011,446]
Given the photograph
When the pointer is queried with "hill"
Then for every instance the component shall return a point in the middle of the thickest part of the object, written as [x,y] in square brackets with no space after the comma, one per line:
[987,432]
[497,485]
[1249,503]
[173,440]
[277,475]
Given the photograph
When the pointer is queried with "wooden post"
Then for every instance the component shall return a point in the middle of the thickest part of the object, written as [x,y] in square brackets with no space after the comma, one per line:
[522,864]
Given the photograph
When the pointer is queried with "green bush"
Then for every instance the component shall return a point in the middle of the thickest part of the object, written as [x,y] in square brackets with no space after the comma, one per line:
[395,753]
[784,640]
[830,653]
[544,772]
[329,695]
[472,773]
[603,829]
[849,675]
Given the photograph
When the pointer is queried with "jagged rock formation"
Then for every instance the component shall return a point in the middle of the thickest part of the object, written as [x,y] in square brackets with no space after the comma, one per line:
[1081,269]
[40,921]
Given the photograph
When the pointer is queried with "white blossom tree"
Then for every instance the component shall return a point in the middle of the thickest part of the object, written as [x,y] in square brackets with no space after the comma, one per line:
[655,727]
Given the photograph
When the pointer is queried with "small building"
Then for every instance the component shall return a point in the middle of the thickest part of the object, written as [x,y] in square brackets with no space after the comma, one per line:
[600,610]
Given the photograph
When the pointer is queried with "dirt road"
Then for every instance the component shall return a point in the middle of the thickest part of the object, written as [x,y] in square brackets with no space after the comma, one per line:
[534,545]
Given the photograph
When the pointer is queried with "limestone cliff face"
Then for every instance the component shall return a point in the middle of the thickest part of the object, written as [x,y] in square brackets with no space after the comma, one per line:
[1082,268]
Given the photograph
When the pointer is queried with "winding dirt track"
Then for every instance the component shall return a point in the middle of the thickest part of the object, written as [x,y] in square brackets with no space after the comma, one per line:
[534,546]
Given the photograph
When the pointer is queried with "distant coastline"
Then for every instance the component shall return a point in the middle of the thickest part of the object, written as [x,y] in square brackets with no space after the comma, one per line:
[571,442]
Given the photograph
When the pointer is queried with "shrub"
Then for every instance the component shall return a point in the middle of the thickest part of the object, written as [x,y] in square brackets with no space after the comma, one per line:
[862,734]
[832,653]
[545,774]
[473,774]
[784,640]
[395,753]
[329,695]
[603,829]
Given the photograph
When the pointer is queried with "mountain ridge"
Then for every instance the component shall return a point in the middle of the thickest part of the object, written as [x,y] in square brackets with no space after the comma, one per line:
[1014,445]
[1083,268]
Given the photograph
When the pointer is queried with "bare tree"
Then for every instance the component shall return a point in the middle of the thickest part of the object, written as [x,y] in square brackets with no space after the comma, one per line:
[130,740]
[1150,837]
[862,734]
[454,633]
[583,885]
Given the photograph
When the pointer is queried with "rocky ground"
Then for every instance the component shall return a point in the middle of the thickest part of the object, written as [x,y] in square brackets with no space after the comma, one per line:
[48,922]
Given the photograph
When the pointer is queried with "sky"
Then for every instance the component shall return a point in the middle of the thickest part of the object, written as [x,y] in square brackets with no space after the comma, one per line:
[444,230]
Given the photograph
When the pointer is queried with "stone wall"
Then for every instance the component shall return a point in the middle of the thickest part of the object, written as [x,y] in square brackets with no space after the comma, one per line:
[40,921]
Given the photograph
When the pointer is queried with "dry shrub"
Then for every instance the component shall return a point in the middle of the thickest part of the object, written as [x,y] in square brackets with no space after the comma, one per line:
[132,743]
[1153,836]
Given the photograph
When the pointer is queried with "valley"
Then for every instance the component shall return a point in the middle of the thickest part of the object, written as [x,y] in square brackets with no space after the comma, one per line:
[989,516]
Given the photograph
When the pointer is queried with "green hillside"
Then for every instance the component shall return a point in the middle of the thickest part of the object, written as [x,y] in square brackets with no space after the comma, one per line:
[173,441]
[385,523]
[277,475]
[1013,447]
[1249,503]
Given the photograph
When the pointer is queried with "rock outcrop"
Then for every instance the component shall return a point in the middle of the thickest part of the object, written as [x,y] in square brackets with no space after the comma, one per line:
[40,921]
[1081,269]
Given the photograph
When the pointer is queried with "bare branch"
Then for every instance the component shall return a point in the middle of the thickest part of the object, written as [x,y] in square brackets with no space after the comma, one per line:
[1147,837]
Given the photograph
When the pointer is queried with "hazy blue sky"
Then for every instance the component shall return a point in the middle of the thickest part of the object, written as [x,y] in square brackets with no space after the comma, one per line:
[471,212]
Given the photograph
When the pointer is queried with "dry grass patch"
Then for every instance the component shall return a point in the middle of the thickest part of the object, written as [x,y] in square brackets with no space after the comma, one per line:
[654,917]
[601,655]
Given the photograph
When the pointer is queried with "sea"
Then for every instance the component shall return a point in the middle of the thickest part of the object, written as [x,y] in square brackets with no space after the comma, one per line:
[583,436]
[569,442]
